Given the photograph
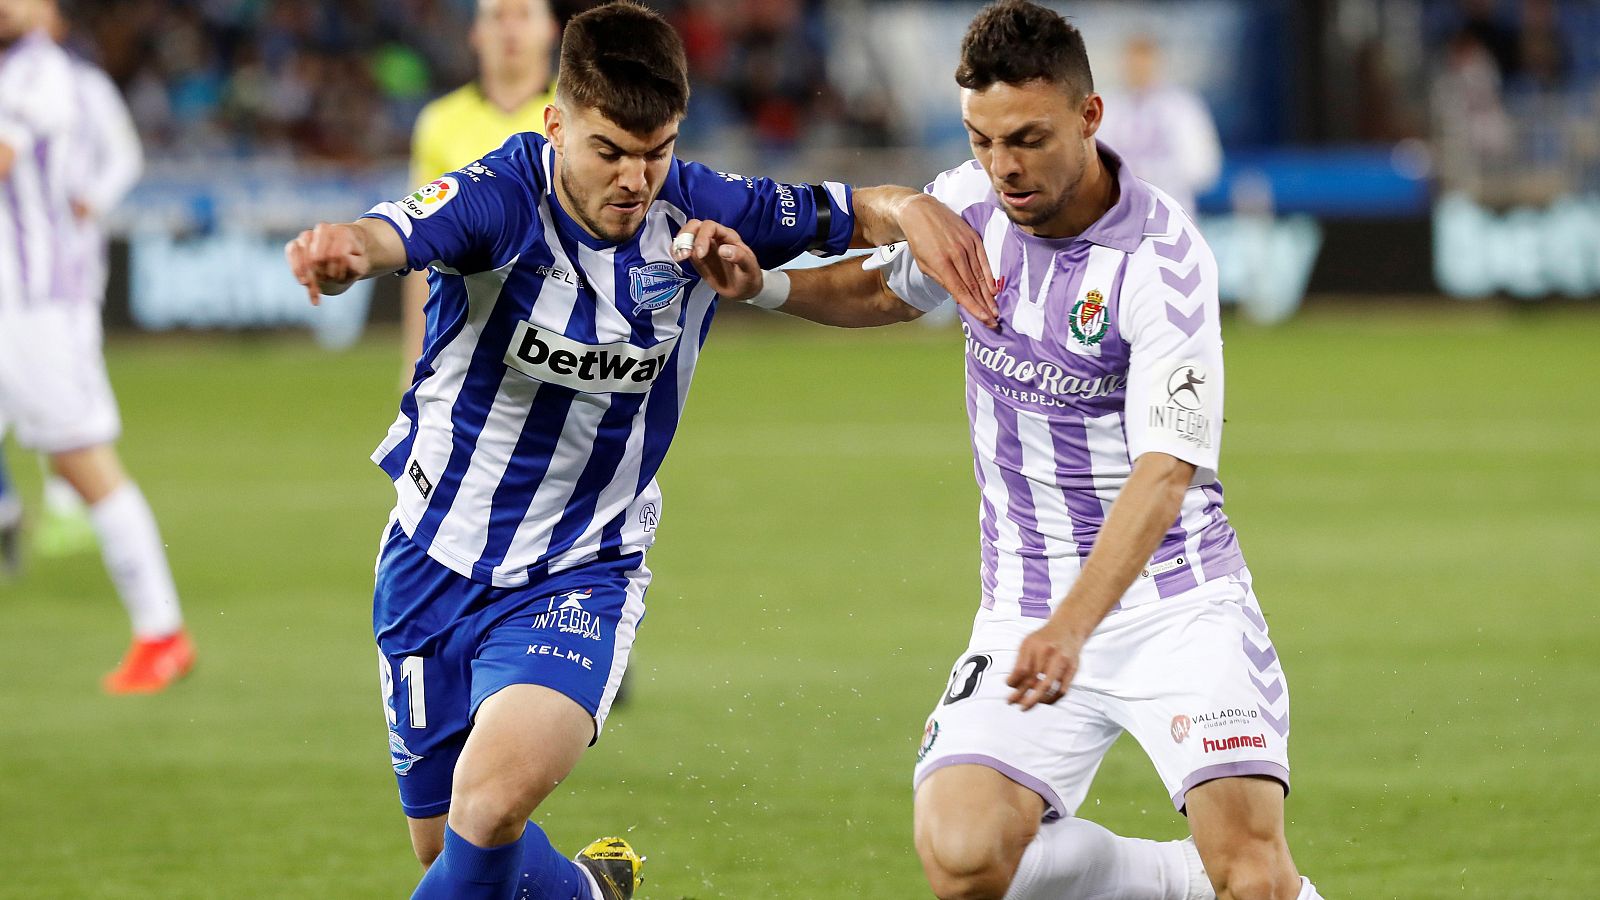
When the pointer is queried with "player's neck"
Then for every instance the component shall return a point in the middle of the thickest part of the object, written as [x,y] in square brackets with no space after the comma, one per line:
[511,90]
[1096,194]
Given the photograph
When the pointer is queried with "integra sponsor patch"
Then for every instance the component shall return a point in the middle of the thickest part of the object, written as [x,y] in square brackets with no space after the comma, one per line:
[591,368]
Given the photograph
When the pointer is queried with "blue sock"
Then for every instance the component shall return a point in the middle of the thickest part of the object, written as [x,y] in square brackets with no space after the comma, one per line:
[465,871]
[530,868]
[546,874]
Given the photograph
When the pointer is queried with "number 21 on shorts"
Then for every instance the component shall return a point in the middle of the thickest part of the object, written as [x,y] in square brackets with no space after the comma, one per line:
[416,695]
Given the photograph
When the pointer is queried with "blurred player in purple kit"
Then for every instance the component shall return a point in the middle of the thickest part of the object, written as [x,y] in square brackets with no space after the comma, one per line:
[562,337]
[1114,593]
[1163,131]
[53,386]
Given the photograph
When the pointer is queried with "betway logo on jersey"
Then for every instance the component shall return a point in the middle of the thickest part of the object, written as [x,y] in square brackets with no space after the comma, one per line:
[1047,378]
[619,368]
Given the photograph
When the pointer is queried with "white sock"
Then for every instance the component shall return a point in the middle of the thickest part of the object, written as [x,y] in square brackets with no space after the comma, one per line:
[10,509]
[137,562]
[1308,891]
[1079,859]
[60,498]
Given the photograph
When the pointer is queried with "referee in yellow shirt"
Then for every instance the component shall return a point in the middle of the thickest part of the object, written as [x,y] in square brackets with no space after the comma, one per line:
[512,40]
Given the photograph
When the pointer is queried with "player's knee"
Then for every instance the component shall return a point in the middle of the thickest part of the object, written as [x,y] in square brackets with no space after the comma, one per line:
[969,863]
[1259,871]
[427,839]
[487,817]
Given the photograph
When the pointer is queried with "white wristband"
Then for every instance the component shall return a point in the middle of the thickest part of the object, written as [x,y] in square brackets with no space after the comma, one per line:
[774,290]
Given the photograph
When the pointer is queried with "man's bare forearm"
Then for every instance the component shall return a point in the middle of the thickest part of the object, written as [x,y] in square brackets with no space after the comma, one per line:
[1141,515]
[385,249]
[878,210]
[845,295]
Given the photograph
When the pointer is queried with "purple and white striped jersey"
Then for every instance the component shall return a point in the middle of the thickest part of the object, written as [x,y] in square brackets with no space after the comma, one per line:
[1110,348]
[108,163]
[38,121]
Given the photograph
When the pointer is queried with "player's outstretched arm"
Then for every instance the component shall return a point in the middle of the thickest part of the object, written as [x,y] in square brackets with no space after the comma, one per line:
[944,245]
[844,294]
[328,259]
[1143,511]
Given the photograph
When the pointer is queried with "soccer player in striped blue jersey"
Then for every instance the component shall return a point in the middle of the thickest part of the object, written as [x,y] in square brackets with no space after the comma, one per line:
[562,333]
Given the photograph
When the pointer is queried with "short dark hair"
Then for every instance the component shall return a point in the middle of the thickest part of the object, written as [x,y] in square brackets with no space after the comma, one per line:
[1016,41]
[627,62]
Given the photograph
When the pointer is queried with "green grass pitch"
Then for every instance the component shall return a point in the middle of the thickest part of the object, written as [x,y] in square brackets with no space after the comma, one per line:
[1417,493]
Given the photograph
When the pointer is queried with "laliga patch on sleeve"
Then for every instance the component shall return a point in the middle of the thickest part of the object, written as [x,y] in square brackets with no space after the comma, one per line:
[431,197]
[1182,402]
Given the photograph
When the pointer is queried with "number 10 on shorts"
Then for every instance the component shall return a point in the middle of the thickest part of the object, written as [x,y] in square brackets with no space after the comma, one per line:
[416,696]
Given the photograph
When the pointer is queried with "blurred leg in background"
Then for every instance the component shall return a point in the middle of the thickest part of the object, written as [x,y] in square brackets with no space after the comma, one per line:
[10,518]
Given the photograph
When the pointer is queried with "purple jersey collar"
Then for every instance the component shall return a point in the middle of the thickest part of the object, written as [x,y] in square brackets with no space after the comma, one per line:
[1122,226]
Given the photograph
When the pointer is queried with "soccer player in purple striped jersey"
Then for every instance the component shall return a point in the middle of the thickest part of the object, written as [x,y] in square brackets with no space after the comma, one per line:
[562,335]
[1114,593]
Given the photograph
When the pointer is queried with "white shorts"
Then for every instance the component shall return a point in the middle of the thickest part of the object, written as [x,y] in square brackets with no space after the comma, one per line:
[1194,679]
[54,392]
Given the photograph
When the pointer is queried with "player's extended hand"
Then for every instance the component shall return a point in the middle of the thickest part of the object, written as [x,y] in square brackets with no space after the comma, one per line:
[328,259]
[950,252]
[720,256]
[1046,664]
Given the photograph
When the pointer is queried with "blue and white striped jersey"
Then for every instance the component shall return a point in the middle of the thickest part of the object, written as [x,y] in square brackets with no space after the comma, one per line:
[556,365]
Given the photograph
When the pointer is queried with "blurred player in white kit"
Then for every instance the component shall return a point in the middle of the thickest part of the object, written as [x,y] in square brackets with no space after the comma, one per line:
[67,154]
[1165,132]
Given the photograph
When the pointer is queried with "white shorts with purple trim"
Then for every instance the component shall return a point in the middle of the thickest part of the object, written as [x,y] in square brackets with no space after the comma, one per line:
[1193,678]
[53,386]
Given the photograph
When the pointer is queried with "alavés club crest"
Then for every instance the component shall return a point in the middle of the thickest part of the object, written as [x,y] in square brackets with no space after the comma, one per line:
[655,285]
[1088,320]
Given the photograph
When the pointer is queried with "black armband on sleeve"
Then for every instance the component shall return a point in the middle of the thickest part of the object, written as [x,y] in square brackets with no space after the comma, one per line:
[819,199]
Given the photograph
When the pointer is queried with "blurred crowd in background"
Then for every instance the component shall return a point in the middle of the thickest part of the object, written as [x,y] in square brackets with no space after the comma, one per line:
[343,81]
[1457,140]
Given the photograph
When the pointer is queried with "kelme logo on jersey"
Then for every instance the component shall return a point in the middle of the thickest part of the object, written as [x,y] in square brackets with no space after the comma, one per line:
[431,197]
[1088,321]
[655,285]
[619,368]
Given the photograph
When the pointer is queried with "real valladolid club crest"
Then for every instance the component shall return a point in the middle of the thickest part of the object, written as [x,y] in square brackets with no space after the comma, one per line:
[1088,322]
[655,285]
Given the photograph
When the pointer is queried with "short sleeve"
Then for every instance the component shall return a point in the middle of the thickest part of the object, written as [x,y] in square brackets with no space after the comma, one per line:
[959,188]
[1169,316]
[474,219]
[778,221]
[905,278]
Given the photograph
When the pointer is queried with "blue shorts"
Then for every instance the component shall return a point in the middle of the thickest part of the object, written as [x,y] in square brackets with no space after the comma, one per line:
[446,643]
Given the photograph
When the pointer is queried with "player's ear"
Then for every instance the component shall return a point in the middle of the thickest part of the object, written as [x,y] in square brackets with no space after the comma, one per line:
[552,126]
[1094,113]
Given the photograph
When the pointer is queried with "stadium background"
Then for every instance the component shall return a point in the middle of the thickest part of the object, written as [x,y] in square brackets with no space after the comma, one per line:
[1409,219]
